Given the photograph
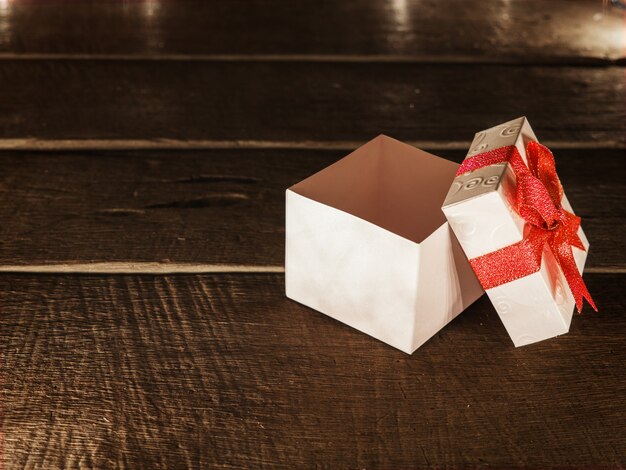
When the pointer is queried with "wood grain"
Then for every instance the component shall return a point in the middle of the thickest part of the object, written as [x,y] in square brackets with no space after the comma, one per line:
[215,209]
[452,30]
[304,102]
[209,371]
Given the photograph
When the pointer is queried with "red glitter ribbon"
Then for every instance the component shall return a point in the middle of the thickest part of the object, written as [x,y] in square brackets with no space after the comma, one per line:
[538,201]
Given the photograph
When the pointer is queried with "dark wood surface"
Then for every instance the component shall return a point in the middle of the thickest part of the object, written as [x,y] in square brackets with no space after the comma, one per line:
[297,102]
[159,136]
[183,371]
[176,209]
[421,30]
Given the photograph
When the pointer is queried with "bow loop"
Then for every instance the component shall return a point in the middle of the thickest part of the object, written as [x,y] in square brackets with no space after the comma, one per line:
[542,165]
[534,203]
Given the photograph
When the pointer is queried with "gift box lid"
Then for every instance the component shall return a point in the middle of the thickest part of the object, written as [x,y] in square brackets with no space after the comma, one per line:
[510,215]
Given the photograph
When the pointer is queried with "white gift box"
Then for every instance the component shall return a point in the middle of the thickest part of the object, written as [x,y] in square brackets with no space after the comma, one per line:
[368,244]
[479,209]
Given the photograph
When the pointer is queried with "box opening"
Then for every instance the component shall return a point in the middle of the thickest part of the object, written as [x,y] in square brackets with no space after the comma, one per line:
[388,183]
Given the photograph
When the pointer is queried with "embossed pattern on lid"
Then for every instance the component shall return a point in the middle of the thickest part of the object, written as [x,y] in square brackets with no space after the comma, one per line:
[516,132]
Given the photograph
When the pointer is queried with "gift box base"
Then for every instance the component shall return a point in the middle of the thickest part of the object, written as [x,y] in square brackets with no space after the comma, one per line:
[400,276]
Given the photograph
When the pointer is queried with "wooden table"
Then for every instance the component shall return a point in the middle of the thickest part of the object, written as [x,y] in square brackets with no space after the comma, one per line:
[145,150]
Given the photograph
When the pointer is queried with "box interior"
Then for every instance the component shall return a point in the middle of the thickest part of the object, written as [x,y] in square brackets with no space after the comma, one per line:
[388,183]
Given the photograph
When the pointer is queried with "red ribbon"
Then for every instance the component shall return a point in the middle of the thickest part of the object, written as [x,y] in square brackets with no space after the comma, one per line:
[538,201]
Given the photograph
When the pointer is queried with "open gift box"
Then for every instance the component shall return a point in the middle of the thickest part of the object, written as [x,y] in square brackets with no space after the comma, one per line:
[368,244]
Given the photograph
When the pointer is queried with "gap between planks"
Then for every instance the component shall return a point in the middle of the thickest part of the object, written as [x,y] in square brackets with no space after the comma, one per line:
[423,59]
[130,267]
[178,268]
[31,144]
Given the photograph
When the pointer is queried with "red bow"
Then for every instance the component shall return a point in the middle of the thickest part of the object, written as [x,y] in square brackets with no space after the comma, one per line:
[538,201]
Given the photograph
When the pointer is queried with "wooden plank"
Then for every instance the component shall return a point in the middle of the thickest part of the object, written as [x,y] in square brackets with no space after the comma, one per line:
[303,102]
[452,30]
[215,209]
[209,371]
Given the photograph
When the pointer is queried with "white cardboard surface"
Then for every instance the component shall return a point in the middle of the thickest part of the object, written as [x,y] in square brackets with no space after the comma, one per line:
[367,244]
[535,307]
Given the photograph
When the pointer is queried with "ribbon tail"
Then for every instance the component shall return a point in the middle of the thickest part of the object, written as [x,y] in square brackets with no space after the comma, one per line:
[572,222]
[564,254]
